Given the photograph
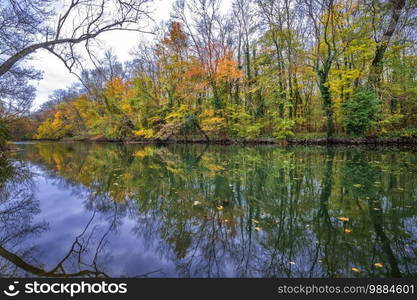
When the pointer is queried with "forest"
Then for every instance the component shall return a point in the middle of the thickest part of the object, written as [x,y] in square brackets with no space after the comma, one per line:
[270,69]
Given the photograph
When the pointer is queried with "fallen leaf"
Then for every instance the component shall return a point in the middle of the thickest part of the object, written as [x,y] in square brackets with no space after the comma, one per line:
[343,219]
[356,270]
[378,265]
[348,230]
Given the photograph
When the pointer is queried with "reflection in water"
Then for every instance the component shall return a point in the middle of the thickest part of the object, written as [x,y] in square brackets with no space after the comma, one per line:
[196,211]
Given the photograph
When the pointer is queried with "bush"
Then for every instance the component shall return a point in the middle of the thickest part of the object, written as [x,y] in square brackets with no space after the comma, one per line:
[359,112]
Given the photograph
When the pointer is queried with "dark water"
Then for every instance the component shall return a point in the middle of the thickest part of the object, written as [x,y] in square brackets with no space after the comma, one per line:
[196,211]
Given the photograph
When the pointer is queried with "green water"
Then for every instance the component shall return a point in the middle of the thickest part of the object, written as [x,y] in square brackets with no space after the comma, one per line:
[208,211]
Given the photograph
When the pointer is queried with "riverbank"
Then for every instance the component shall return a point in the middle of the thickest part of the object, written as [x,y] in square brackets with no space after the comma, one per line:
[261,141]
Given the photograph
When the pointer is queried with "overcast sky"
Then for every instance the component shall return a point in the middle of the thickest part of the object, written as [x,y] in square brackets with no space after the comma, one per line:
[56,76]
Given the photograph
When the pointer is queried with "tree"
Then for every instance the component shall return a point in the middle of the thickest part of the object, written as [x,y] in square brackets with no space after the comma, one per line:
[359,111]
[395,8]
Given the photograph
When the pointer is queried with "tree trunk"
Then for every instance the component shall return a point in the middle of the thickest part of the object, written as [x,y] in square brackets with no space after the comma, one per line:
[376,66]
[326,97]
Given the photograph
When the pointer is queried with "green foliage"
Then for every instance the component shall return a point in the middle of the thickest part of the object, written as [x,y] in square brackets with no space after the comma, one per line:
[284,129]
[4,134]
[359,112]
[242,124]
[389,124]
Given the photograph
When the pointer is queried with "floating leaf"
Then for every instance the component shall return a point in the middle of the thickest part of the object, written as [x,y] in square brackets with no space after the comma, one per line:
[348,230]
[358,185]
[378,265]
[356,270]
[343,219]
[220,207]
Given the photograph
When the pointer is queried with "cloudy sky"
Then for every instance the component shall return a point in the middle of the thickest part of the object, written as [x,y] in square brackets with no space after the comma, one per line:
[56,76]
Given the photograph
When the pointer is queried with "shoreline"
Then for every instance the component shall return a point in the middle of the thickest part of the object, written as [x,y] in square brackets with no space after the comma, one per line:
[406,141]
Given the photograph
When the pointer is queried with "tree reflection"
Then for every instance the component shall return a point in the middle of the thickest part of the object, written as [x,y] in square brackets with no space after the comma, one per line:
[251,212]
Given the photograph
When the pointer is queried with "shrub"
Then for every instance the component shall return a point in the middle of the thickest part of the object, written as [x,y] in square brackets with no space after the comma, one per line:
[284,129]
[359,112]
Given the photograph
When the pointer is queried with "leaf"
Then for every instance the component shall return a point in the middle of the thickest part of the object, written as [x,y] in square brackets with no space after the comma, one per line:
[376,208]
[343,219]
[255,221]
[257,228]
[378,265]
[358,185]
[196,203]
[348,230]
[292,263]
[356,270]
[220,208]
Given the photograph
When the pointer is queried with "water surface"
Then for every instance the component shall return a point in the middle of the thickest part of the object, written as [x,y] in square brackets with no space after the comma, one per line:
[97,210]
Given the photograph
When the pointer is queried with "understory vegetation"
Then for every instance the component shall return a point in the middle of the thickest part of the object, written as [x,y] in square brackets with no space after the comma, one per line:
[263,69]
